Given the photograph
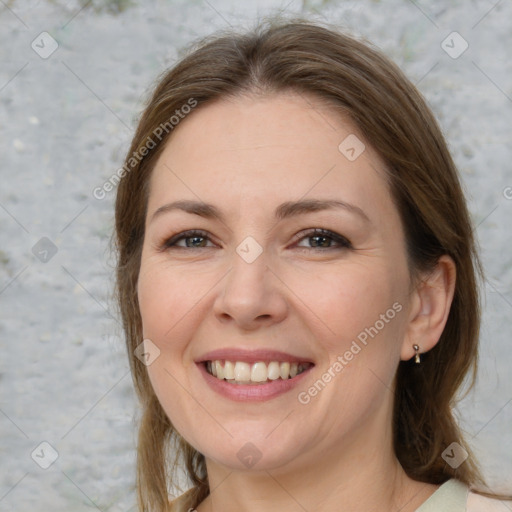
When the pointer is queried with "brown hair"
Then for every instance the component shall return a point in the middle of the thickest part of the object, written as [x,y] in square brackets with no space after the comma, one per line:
[317,60]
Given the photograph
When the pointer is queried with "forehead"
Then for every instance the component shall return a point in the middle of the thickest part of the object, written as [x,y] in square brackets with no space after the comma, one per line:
[249,151]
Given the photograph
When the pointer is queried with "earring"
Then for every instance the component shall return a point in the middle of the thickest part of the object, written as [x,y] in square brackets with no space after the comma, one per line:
[417,355]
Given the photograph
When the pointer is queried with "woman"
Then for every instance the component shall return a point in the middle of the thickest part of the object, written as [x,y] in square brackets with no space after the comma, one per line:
[297,279]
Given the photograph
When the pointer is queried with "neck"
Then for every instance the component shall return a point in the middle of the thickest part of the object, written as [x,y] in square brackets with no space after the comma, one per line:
[361,474]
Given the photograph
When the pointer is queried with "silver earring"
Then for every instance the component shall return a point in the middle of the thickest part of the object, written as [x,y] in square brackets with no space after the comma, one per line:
[417,355]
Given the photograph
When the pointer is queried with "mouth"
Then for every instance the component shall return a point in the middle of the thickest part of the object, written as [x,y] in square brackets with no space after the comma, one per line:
[252,375]
[257,373]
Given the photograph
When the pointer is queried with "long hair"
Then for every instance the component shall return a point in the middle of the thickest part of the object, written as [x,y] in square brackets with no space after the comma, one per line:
[318,61]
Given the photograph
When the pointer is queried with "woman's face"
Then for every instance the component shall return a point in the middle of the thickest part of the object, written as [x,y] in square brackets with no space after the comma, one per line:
[257,287]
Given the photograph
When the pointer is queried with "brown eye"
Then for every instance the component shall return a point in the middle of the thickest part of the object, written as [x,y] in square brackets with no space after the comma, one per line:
[324,239]
[194,239]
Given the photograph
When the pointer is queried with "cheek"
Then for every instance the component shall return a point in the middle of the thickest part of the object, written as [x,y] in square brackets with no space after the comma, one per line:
[363,310]
[172,302]
[348,299]
[165,295]
[166,301]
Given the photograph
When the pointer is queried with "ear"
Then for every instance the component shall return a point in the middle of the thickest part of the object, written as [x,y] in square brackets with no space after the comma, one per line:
[430,306]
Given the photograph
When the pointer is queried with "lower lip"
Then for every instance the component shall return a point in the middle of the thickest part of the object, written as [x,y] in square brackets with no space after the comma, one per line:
[251,392]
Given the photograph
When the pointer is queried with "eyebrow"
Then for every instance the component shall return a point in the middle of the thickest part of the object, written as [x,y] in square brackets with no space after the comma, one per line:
[283,211]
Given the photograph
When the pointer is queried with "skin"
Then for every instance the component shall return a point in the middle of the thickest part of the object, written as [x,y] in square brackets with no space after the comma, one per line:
[248,155]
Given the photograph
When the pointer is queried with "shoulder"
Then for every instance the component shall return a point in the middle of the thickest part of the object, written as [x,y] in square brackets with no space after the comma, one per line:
[478,503]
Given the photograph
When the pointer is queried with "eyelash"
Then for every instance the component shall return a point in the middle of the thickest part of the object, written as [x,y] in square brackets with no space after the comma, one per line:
[343,242]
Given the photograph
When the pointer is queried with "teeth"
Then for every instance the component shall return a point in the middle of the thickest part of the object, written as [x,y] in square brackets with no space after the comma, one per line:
[273,370]
[229,370]
[219,370]
[240,372]
[284,370]
[259,372]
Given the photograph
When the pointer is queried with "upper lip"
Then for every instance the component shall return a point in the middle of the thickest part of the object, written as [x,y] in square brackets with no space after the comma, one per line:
[251,356]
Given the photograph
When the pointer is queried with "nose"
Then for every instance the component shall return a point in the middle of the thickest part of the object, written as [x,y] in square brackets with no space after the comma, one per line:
[251,294]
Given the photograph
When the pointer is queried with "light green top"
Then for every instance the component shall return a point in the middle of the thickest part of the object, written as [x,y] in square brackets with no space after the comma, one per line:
[452,496]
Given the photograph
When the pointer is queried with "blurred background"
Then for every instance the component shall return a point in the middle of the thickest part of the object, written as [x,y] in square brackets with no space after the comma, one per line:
[74,76]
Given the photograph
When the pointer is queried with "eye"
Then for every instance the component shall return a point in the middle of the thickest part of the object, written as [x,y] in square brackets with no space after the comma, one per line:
[323,239]
[193,238]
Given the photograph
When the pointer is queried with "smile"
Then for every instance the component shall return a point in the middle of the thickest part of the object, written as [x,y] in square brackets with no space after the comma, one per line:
[252,375]
[260,372]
